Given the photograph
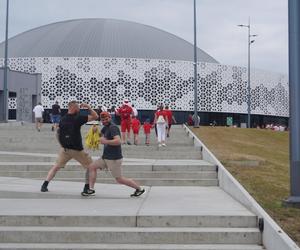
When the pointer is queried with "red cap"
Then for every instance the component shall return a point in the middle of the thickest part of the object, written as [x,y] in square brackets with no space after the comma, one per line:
[104,115]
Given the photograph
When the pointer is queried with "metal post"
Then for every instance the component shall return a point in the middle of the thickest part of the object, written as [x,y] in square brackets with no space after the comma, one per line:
[249,89]
[294,89]
[196,121]
[5,88]
[249,72]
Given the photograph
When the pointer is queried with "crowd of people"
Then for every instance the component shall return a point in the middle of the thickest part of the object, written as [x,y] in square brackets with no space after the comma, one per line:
[274,127]
[127,117]
[69,136]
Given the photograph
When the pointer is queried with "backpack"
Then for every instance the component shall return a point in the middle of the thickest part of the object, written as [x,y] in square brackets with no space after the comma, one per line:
[160,119]
[66,132]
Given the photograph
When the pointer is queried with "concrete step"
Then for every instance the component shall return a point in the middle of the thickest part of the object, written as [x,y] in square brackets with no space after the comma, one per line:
[141,155]
[162,153]
[55,246]
[29,138]
[24,158]
[204,220]
[180,141]
[164,166]
[125,149]
[46,130]
[156,182]
[146,181]
[142,182]
[130,174]
[52,143]
[129,235]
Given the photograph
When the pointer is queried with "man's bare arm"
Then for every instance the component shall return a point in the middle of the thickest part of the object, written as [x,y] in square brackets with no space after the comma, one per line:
[92,113]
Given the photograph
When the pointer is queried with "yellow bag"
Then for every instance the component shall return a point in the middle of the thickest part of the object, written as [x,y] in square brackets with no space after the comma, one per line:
[92,138]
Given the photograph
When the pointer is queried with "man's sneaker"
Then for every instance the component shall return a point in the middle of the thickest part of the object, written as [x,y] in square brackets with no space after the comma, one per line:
[128,143]
[44,188]
[88,192]
[138,192]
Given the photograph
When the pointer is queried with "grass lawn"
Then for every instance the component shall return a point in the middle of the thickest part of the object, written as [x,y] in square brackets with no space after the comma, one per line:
[259,160]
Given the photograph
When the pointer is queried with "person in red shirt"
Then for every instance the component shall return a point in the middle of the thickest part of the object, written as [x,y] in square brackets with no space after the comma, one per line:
[190,121]
[125,112]
[135,124]
[161,121]
[170,119]
[147,129]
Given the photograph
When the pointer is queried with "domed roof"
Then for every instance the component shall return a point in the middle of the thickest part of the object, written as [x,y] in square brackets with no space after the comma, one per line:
[101,38]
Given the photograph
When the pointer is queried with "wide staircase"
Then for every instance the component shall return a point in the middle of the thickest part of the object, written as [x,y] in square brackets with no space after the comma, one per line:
[178,164]
[183,208]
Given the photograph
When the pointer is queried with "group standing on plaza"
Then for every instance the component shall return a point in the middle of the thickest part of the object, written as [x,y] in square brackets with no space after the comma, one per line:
[128,118]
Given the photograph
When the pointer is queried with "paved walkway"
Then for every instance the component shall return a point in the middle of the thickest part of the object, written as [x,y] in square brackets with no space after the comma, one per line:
[64,199]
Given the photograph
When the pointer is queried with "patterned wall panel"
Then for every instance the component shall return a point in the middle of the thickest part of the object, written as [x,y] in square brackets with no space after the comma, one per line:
[107,81]
[12,103]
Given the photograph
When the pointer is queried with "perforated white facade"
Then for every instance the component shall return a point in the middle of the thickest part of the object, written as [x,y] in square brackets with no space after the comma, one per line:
[148,82]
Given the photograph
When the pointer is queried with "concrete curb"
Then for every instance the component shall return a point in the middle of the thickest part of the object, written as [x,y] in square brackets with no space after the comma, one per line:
[273,236]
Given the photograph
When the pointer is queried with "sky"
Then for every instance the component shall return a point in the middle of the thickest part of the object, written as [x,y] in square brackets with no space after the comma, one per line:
[217,20]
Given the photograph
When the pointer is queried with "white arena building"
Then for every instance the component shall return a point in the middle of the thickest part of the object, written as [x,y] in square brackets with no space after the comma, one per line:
[104,61]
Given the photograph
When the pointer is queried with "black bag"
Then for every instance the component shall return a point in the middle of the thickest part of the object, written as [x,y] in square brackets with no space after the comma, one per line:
[66,132]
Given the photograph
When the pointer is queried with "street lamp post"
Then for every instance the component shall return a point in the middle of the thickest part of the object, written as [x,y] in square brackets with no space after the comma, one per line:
[294,93]
[249,86]
[5,88]
[196,120]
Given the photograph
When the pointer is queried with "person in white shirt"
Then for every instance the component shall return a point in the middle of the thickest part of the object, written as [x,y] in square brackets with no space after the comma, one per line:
[38,115]
[135,112]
